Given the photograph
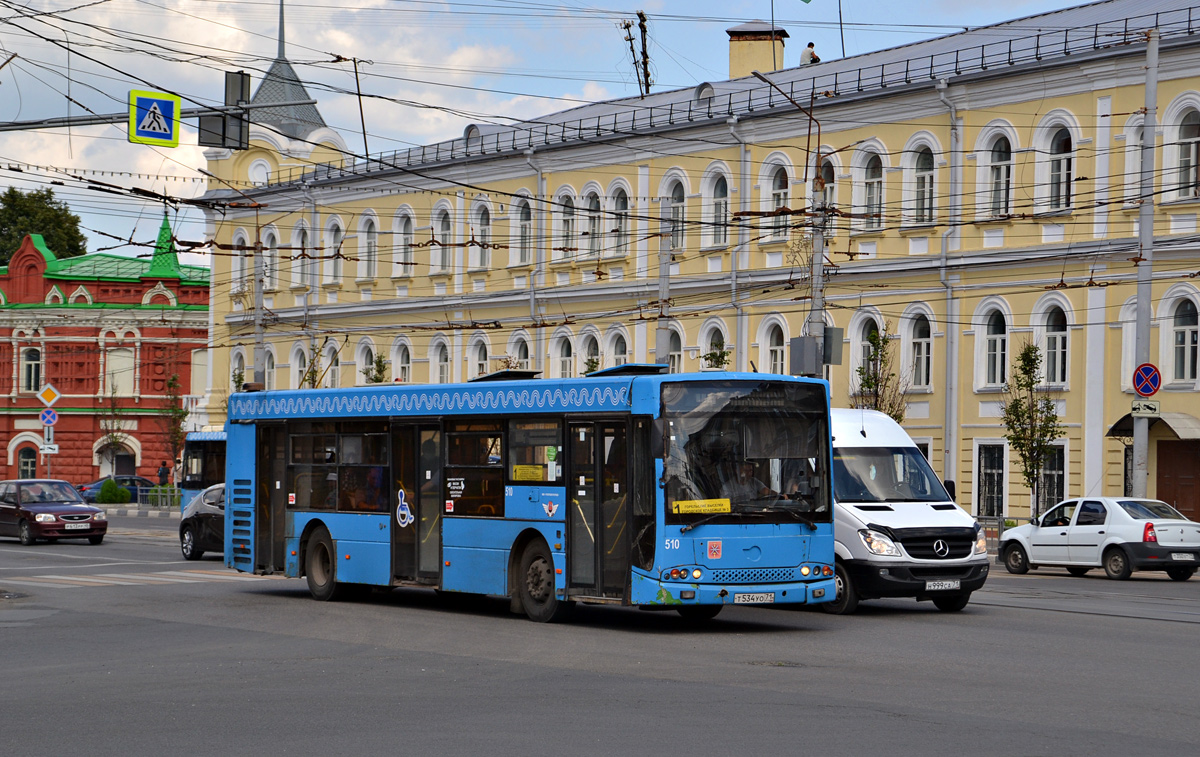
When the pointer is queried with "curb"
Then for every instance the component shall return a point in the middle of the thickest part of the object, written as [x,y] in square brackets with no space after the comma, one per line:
[127,513]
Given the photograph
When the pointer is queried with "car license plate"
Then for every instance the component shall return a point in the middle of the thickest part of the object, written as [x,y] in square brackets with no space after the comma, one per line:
[942,585]
[1182,556]
[753,599]
[77,526]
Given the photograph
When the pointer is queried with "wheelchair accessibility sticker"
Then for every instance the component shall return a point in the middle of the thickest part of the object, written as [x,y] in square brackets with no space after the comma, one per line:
[404,516]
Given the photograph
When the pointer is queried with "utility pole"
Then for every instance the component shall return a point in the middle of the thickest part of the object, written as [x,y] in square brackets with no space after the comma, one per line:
[662,331]
[1145,266]
[637,72]
[645,56]
[816,275]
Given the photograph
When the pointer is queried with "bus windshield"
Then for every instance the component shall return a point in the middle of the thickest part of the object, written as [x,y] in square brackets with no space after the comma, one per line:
[745,451]
[884,474]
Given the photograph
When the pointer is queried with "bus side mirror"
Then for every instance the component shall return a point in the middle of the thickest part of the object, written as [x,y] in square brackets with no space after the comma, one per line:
[949,488]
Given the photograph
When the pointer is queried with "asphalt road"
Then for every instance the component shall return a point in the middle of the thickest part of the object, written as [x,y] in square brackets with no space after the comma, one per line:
[124,648]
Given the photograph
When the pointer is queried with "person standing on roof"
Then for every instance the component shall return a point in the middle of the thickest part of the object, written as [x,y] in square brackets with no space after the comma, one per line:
[810,54]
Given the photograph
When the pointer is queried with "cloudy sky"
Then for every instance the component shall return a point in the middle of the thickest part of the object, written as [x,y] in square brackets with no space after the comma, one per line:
[435,66]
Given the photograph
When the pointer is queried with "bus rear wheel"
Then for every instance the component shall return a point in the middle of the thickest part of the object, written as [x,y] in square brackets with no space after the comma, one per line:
[535,584]
[320,567]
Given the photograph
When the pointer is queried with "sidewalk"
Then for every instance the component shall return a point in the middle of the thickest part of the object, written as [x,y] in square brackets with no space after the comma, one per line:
[125,511]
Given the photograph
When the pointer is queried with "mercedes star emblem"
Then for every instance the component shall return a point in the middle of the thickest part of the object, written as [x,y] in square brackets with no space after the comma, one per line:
[941,548]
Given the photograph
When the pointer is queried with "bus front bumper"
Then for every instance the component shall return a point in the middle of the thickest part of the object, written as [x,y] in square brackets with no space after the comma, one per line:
[650,592]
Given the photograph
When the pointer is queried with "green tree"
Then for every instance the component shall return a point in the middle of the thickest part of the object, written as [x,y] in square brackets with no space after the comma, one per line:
[376,371]
[37,212]
[716,358]
[879,386]
[1031,422]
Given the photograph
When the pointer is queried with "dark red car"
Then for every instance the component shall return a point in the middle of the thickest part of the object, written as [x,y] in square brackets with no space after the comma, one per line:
[50,510]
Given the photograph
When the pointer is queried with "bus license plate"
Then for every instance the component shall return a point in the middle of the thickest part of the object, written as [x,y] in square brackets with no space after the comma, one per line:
[76,526]
[1182,556]
[942,585]
[753,599]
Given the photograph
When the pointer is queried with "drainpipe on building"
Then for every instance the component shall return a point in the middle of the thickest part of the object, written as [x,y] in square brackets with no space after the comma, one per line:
[950,443]
[539,259]
[743,239]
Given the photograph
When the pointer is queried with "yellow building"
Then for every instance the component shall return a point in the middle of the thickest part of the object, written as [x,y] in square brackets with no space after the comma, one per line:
[982,190]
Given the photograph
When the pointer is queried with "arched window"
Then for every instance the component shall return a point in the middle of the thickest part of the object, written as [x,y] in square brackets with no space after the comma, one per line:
[269,371]
[442,255]
[996,350]
[567,227]
[522,355]
[591,355]
[775,349]
[27,463]
[594,233]
[239,257]
[301,264]
[1186,340]
[676,214]
[270,261]
[566,360]
[443,364]
[620,222]
[237,372]
[300,368]
[1061,169]
[720,211]
[524,233]
[481,359]
[366,367]
[923,175]
[717,354]
[1056,346]
[370,251]
[779,201]
[873,184]
[483,236]
[333,252]
[867,355]
[31,370]
[1189,155]
[1001,176]
[403,258]
[402,368]
[675,354]
[620,353]
[829,177]
[922,353]
[333,369]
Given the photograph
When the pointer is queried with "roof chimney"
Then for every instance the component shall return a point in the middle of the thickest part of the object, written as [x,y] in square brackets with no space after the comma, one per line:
[756,46]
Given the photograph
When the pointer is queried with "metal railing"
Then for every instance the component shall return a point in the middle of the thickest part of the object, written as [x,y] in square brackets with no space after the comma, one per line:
[1059,43]
[159,497]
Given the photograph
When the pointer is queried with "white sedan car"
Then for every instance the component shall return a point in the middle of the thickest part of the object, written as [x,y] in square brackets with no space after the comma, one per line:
[1119,534]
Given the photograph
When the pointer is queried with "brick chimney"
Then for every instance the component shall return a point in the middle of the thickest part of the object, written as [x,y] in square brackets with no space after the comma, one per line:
[750,48]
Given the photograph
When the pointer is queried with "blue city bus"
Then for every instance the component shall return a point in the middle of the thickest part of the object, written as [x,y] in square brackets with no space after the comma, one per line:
[628,487]
[203,463]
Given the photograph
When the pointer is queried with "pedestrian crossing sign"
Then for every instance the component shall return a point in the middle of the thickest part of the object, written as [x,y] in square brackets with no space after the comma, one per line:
[154,118]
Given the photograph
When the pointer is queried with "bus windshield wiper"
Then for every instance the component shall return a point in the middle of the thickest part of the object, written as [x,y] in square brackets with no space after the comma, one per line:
[792,511]
[714,516]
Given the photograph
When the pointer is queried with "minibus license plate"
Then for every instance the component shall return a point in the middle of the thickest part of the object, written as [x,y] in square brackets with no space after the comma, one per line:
[942,585]
[753,599]
[1182,556]
[76,526]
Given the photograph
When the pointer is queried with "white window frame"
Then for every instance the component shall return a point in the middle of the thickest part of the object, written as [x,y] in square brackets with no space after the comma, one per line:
[32,370]
[620,230]
[440,259]
[595,225]
[402,248]
[401,362]
[369,250]
[524,235]
[481,253]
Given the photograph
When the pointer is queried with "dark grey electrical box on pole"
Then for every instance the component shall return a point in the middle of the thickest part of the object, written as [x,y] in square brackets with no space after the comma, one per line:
[833,345]
[806,360]
[230,130]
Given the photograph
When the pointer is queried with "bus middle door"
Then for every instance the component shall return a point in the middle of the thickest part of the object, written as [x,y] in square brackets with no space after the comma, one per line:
[597,516]
[416,502]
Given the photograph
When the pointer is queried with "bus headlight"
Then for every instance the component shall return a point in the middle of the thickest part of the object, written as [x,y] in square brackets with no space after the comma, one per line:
[878,544]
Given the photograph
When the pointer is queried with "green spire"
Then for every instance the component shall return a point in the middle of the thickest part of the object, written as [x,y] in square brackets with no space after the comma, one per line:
[165,265]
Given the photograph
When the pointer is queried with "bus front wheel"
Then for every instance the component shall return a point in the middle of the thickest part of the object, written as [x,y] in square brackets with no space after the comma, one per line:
[321,567]
[535,584]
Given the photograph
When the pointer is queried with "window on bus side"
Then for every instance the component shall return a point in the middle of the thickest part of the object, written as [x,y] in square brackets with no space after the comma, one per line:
[474,480]
[533,452]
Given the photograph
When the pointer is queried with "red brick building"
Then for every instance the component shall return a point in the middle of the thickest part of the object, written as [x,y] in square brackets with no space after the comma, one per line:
[107,332]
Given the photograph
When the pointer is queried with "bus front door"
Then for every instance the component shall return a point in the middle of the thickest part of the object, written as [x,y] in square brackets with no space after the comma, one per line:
[416,496]
[597,492]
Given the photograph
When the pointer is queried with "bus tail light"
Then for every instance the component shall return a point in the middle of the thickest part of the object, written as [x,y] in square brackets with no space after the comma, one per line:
[827,571]
[1148,533]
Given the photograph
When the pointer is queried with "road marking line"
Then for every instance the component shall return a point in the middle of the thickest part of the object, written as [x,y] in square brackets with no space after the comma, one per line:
[89,580]
[213,575]
[150,577]
[28,582]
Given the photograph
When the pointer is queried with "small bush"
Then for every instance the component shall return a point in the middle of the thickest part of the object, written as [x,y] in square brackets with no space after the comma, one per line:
[111,494]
